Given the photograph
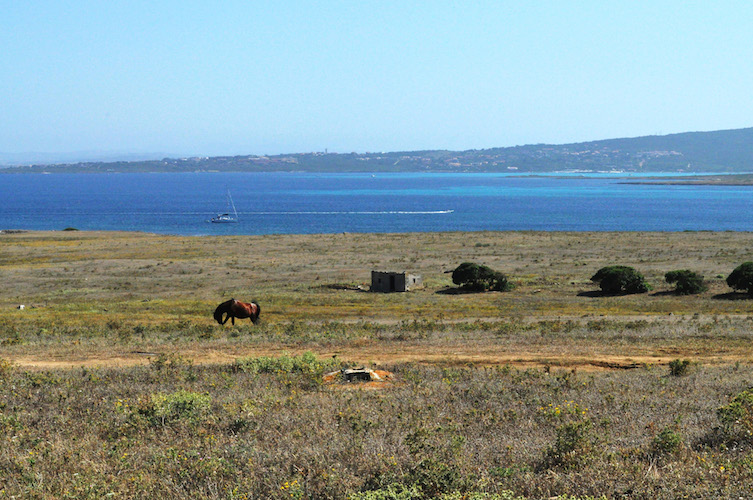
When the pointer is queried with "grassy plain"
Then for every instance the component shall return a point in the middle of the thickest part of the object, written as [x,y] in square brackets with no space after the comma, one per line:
[115,380]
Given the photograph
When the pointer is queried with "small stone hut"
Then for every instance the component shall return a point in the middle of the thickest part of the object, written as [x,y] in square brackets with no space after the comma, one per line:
[387,282]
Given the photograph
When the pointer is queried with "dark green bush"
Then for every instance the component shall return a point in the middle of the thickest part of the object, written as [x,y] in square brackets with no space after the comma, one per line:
[480,278]
[679,367]
[737,416]
[620,279]
[667,442]
[686,282]
[742,278]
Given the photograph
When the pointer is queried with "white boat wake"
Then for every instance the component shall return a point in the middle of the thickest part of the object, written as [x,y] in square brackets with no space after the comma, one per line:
[357,212]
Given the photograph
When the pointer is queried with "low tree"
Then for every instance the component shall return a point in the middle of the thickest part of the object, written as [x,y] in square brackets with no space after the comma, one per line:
[620,279]
[686,282]
[742,278]
[480,278]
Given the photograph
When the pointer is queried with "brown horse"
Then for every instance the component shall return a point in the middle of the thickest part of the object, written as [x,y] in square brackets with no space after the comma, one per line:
[236,309]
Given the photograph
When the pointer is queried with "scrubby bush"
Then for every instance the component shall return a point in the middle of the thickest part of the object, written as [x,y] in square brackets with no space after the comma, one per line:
[305,363]
[182,405]
[398,491]
[667,442]
[678,367]
[480,278]
[742,278]
[575,445]
[686,282]
[737,416]
[6,368]
[394,491]
[620,279]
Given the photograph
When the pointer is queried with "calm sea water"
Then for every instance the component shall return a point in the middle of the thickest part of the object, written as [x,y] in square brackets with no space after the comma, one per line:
[270,203]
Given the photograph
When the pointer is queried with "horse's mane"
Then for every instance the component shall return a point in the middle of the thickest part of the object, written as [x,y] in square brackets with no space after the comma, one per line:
[222,309]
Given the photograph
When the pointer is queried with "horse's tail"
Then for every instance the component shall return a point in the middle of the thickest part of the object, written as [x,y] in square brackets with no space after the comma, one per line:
[222,309]
[258,312]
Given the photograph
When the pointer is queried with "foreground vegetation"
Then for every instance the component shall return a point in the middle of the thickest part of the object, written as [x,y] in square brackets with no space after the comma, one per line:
[271,428]
[115,381]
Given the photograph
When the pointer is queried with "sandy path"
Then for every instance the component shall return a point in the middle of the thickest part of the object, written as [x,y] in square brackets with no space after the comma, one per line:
[376,356]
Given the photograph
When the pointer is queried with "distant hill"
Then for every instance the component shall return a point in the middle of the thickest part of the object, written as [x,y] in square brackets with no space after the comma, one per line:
[16,159]
[720,151]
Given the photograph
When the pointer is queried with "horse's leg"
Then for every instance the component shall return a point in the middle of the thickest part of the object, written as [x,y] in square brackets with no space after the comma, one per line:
[232,319]
[224,320]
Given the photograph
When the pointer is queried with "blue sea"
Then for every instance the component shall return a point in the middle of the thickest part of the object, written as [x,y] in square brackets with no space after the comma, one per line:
[273,203]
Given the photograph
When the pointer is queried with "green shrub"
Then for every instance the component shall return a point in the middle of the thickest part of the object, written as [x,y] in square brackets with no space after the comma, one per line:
[668,441]
[575,446]
[742,278]
[480,278]
[620,279]
[686,282]
[399,491]
[394,491]
[6,367]
[737,416]
[178,406]
[679,367]
[42,379]
[478,495]
[305,363]
[433,476]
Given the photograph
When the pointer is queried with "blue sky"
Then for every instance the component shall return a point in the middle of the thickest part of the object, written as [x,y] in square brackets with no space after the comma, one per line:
[250,77]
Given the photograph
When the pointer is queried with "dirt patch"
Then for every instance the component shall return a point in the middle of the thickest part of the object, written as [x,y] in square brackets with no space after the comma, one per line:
[515,360]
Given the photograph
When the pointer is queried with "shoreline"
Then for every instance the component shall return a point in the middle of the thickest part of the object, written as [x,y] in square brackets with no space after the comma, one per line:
[700,180]
[94,233]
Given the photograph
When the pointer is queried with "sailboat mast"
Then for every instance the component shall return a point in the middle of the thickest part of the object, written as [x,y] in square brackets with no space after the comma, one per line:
[232,204]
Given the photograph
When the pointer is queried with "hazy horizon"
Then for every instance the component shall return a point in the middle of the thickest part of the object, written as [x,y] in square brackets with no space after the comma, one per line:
[42,158]
[240,78]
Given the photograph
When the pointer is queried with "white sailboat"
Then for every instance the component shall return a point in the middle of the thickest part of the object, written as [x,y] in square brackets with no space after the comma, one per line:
[227,216]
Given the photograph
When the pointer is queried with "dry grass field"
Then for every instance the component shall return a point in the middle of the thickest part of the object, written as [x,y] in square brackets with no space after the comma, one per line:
[115,380]
[81,282]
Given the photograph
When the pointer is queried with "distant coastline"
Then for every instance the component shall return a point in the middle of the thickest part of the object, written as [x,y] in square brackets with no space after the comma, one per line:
[700,180]
[725,151]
